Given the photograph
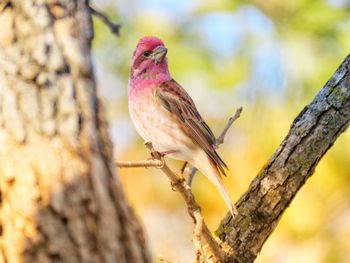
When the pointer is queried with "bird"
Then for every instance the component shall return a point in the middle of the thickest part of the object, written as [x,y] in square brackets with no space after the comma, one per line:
[164,114]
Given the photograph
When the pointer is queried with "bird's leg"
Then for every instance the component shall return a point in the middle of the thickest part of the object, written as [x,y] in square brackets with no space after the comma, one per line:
[158,155]
[154,154]
[168,152]
[180,175]
[182,170]
[191,176]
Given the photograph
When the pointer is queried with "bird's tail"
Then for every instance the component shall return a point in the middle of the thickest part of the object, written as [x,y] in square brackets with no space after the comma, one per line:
[210,170]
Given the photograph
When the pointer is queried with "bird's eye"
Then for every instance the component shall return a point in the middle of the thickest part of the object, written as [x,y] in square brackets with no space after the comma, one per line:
[146,54]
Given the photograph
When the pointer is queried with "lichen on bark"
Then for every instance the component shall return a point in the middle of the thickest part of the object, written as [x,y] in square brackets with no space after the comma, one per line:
[312,133]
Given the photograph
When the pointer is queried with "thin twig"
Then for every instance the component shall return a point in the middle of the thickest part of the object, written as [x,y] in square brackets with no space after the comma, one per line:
[218,141]
[114,27]
[145,163]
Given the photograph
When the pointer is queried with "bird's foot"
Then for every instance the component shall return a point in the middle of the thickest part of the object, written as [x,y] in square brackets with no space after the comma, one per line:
[158,155]
[180,176]
[154,154]
[164,153]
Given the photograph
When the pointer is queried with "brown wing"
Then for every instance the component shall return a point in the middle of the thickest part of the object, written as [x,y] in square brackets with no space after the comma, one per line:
[177,101]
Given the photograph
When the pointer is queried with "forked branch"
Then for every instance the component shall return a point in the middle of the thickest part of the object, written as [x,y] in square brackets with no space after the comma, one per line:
[114,27]
[312,133]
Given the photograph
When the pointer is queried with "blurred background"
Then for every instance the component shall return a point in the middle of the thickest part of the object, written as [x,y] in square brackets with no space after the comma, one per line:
[269,56]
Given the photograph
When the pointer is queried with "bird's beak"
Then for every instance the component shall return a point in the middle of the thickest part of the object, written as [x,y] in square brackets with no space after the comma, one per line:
[159,54]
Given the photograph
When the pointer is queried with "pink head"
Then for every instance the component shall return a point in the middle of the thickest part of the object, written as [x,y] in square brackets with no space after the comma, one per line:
[149,59]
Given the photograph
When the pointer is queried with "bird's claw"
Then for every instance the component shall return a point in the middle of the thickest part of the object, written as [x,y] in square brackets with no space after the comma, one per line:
[157,155]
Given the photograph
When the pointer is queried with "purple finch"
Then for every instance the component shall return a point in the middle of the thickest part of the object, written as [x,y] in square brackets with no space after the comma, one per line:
[164,114]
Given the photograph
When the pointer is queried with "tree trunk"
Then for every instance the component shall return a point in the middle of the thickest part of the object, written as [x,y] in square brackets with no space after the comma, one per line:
[312,133]
[60,199]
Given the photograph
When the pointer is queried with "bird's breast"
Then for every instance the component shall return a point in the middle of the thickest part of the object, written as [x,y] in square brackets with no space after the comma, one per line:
[157,125]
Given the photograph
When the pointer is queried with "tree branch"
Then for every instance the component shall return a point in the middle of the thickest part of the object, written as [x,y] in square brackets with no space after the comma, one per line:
[312,133]
[146,163]
[220,139]
[114,27]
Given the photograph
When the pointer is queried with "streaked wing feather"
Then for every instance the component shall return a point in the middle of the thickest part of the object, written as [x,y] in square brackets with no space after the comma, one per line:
[177,101]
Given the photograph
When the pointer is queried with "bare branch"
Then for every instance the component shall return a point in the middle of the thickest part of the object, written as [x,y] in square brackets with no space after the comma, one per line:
[114,27]
[220,139]
[144,163]
[312,133]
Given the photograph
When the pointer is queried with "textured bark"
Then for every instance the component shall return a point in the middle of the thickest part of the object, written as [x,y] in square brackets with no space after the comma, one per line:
[60,199]
[312,133]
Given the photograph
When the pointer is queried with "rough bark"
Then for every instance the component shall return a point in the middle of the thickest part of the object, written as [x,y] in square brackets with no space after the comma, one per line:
[312,133]
[60,199]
